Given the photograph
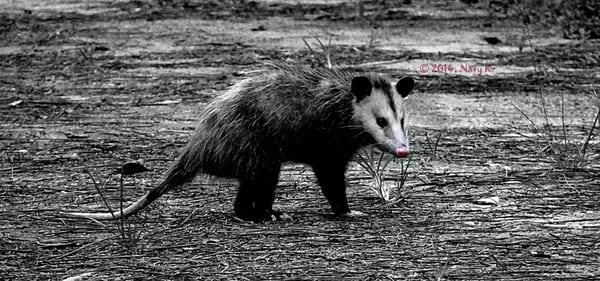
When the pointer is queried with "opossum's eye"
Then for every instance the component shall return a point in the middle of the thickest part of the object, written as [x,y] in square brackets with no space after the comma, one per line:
[381,122]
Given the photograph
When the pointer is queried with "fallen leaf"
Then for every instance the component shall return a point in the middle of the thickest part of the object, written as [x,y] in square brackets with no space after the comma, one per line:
[494,200]
[71,156]
[167,102]
[540,254]
[132,168]
[492,40]
[79,277]
[15,103]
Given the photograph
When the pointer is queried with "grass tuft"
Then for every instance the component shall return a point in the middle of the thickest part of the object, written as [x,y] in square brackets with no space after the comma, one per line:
[126,231]
[375,163]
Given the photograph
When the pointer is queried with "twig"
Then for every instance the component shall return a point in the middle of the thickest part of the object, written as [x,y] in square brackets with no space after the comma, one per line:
[79,249]
[121,228]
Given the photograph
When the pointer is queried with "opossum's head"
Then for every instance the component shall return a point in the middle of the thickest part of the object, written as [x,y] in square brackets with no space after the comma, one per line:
[379,107]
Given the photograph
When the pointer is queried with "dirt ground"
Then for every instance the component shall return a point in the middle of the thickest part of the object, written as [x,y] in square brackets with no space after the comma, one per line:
[93,85]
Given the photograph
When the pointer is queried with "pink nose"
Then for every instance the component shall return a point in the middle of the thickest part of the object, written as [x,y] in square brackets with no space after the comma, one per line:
[402,152]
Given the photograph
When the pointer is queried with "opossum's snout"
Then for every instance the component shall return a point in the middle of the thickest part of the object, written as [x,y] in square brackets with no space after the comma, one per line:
[402,151]
[399,149]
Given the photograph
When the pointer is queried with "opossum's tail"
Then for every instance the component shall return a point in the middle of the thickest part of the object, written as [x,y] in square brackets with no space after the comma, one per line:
[183,171]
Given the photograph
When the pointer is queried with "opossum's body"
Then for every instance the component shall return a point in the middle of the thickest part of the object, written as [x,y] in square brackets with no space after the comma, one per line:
[312,116]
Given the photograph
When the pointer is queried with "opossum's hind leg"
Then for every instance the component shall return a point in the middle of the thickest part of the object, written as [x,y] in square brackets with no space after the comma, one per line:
[333,184]
[255,196]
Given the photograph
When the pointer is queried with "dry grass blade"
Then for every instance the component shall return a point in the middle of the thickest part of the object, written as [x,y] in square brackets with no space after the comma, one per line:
[562,119]
[364,163]
[589,137]
[546,116]
[308,46]
[401,182]
[325,49]
[433,145]
[526,116]
[100,192]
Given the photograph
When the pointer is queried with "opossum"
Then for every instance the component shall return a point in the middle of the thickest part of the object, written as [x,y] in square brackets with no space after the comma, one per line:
[316,116]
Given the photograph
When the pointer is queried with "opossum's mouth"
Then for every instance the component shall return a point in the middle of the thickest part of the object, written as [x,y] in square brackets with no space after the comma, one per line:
[400,151]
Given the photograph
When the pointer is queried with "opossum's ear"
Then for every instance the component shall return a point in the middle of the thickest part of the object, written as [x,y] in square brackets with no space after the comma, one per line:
[405,86]
[361,87]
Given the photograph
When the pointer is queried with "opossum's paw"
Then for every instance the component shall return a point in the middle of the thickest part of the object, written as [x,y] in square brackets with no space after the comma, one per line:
[353,214]
[275,216]
[272,216]
[281,216]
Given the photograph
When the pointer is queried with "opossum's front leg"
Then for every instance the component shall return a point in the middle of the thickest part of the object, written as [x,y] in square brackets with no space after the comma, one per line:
[333,184]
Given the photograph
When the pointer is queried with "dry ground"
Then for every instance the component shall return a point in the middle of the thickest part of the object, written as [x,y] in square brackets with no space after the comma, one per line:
[92,85]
